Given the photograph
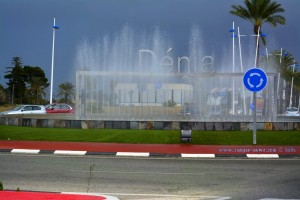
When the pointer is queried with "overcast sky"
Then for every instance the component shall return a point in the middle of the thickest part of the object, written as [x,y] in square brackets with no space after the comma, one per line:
[26,28]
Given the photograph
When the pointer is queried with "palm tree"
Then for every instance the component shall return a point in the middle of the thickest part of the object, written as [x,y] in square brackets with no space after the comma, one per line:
[285,69]
[297,89]
[66,91]
[35,91]
[259,12]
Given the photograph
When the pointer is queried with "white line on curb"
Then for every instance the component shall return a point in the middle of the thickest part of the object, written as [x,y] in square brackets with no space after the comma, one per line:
[62,152]
[262,155]
[138,154]
[33,151]
[188,155]
[133,154]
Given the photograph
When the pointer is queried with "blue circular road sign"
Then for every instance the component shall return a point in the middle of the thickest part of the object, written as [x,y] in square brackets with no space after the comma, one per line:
[157,86]
[255,79]
[252,106]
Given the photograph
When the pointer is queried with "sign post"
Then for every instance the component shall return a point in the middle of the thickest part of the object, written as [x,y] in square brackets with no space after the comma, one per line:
[255,80]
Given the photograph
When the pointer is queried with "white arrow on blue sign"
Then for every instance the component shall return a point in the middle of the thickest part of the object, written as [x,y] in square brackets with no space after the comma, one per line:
[255,79]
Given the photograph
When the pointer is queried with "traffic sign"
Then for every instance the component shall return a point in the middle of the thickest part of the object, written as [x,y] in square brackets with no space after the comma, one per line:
[255,79]
[157,85]
[252,106]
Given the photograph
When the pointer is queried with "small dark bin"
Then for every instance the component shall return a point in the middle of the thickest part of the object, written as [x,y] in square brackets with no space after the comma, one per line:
[186,136]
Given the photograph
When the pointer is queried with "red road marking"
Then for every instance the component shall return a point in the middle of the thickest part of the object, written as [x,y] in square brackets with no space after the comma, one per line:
[13,195]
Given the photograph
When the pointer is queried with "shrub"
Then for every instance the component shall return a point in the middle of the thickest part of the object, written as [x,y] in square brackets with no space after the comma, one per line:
[1,186]
[169,103]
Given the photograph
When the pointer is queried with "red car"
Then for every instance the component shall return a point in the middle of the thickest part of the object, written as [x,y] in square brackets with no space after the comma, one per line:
[59,108]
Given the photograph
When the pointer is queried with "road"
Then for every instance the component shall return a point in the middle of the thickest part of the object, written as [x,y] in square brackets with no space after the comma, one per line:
[154,178]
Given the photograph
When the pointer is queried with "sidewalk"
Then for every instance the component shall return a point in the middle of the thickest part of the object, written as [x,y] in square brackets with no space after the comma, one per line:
[180,150]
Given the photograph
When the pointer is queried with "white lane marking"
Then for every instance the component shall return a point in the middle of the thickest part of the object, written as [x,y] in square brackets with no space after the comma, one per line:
[141,172]
[133,154]
[198,197]
[33,151]
[189,155]
[63,152]
[108,197]
[277,199]
[262,155]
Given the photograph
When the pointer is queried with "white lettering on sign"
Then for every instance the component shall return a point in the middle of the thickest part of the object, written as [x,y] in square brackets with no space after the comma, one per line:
[183,63]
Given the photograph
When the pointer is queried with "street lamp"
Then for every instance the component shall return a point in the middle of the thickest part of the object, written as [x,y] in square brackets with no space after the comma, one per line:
[233,63]
[232,30]
[242,70]
[294,65]
[52,65]
[282,53]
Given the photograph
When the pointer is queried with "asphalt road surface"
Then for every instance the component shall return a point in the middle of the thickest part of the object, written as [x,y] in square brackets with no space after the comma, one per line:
[154,178]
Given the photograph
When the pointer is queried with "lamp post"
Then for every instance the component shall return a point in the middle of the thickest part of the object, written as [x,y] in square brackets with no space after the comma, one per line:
[291,96]
[233,66]
[241,62]
[52,65]
[278,81]
[242,70]
[248,74]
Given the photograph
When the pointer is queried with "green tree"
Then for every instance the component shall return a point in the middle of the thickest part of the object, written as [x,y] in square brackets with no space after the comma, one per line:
[36,71]
[20,79]
[284,67]
[36,84]
[66,91]
[3,98]
[35,90]
[16,83]
[297,89]
[16,61]
[259,12]
[288,74]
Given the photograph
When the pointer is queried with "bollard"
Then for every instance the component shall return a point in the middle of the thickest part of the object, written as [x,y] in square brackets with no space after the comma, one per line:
[186,136]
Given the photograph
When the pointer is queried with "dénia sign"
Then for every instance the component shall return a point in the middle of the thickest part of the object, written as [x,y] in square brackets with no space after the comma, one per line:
[184,64]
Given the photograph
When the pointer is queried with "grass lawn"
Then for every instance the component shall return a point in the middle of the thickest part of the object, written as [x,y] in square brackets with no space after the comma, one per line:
[148,136]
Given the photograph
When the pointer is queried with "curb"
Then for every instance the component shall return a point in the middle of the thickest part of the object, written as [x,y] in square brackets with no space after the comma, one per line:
[145,154]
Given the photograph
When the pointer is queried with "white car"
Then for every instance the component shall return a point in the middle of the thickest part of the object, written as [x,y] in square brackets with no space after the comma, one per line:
[26,109]
[292,111]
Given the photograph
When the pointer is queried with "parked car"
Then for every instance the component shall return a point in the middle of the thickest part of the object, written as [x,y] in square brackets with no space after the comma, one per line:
[239,111]
[59,108]
[188,111]
[292,111]
[26,109]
